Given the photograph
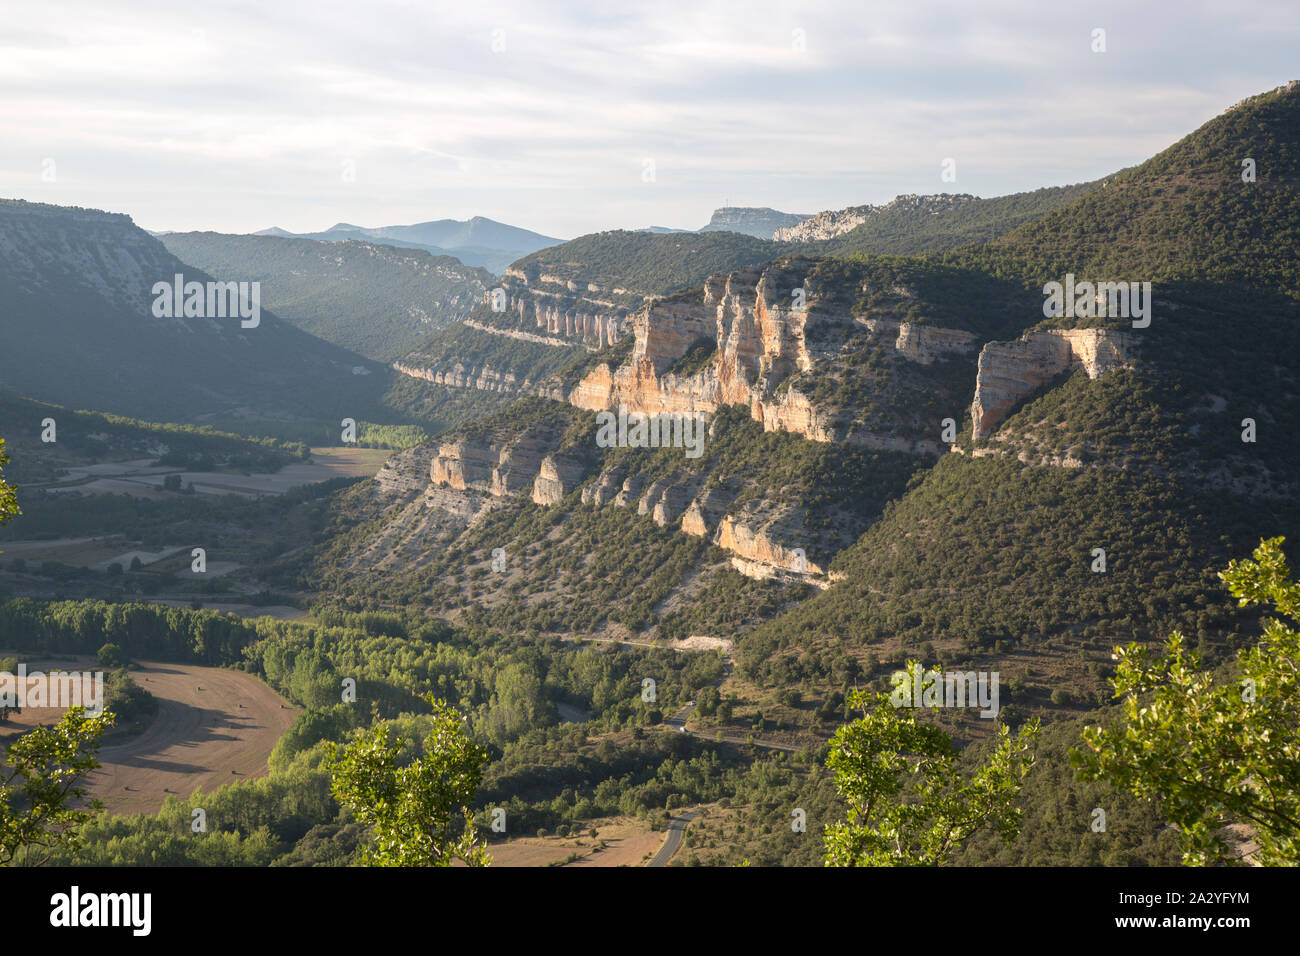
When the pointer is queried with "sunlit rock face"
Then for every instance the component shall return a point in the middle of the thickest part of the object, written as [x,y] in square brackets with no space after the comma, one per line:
[1009,371]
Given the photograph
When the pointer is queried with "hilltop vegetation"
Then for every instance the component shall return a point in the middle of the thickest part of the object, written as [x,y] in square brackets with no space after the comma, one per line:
[649,263]
[1186,213]
[903,229]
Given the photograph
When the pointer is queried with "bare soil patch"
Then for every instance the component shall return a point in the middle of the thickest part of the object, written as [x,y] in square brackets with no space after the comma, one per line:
[214,726]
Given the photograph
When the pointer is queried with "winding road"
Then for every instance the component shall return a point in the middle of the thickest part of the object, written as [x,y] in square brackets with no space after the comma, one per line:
[676,829]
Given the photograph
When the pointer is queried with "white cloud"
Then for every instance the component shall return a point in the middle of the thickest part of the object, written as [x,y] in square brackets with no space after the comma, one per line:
[236,116]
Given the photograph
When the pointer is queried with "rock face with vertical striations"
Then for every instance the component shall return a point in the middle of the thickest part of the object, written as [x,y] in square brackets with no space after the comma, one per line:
[558,475]
[464,465]
[492,465]
[758,549]
[1010,371]
[766,329]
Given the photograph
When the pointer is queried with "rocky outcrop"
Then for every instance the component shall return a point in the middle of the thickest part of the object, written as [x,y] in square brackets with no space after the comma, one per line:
[404,472]
[825,225]
[836,222]
[795,412]
[605,488]
[464,465]
[759,551]
[760,338]
[490,465]
[757,222]
[706,512]
[564,310]
[460,375]
[630,491]
[926,343]
[559,475]
[1010,371]
[526,336]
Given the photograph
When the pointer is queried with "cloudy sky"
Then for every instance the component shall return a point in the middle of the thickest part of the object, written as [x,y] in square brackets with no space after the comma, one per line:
[568,118]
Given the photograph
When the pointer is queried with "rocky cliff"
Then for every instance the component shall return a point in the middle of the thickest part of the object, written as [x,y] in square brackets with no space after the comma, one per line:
[1010,371]
[761,330]
[759,222]
[836,222]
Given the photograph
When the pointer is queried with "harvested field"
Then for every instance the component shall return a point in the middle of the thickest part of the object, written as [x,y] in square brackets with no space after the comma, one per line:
[142,478]
[628,842]
[214,726]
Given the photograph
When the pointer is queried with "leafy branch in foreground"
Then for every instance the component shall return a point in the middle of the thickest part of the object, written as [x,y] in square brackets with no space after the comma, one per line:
[40,812]
[907,804]
[8,493]
[1214,752]
[413,809]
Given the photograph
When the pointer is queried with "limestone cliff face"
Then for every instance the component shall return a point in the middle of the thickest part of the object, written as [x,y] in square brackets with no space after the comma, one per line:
[761,335]
[404,472]
[464,465]
[836,222]
[1010,371]
[925,344]
[488,465]
[559,474]
[759,552]
[558,308]
[758,340]
[459,375]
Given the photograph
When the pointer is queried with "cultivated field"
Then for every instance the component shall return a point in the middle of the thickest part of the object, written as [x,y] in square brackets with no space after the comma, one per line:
[628,842]
[144,479]
[213,726]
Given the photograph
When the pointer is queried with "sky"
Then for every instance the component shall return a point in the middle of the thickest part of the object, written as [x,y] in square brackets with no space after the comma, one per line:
[570,118]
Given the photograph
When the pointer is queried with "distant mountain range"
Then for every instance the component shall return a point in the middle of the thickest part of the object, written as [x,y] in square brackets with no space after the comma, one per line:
[83,328]
[475,242]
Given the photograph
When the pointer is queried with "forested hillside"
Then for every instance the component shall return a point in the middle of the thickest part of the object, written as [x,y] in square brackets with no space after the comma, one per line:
[372,299]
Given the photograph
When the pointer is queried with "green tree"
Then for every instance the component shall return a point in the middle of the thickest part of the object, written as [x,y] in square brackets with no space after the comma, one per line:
[907,803]
[1214,750]
[412,809]
[40,787]
[110,655]
[8,493]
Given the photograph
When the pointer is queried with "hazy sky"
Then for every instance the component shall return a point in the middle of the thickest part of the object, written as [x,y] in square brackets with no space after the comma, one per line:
[546,115]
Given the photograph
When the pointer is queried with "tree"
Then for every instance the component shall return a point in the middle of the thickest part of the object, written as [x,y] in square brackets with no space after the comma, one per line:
[1214,750]
[8,493]
[110,655]
[412,809]
[907,805]
[38,813]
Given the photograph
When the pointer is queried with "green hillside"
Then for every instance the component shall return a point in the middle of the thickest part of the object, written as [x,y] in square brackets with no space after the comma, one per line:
[81,332]
[1186,214]
[372,299]
[903,230]
[648,263]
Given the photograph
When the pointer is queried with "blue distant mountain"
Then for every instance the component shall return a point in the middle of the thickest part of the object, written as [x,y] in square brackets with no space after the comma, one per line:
[475,242]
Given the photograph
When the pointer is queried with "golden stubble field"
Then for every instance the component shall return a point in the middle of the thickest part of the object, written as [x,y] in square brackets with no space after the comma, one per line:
[627,842]
[213,726]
